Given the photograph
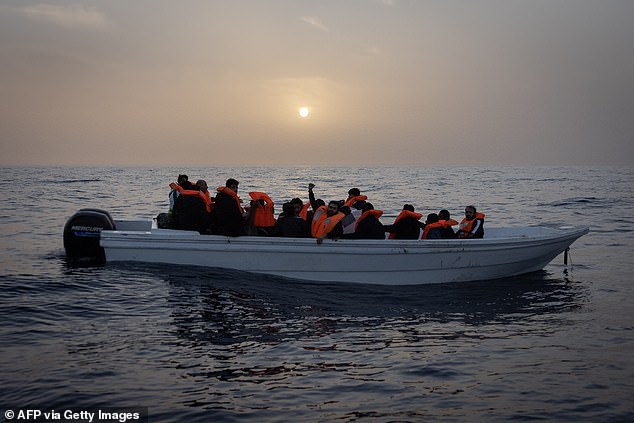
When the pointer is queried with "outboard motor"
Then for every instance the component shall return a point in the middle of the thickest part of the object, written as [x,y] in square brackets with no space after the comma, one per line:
[83,231]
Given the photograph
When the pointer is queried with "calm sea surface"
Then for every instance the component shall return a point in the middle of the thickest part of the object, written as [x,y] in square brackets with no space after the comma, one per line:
[206,345]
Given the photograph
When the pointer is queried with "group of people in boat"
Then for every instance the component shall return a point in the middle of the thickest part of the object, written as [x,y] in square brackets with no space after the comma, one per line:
[193,208]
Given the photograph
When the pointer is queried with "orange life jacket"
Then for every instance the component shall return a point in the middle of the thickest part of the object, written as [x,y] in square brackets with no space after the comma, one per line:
[354,199]
[375,213]
[440,224]
[403,214]
[209,203]
[264,215]
[231,193]
[466,226]
[204,195]
[322,224]
[304,211]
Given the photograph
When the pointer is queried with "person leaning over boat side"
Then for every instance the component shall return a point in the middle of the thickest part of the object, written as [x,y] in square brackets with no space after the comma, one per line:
[227,214]
[289,224]
[407,224]
[447,230]
[368,225]
[472,226]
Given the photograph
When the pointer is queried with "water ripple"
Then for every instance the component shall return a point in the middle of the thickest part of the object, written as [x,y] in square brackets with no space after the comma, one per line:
[205,345]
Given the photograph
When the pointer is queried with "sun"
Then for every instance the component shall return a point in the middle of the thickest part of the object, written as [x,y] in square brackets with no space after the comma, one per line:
[303,112]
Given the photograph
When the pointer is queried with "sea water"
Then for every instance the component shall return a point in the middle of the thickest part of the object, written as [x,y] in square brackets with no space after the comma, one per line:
[205,345]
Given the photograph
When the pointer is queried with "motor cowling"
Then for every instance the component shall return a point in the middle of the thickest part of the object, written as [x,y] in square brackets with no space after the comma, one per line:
[83,231]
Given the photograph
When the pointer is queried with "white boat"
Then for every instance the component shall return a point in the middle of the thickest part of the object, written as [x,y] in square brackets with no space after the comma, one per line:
[504,252]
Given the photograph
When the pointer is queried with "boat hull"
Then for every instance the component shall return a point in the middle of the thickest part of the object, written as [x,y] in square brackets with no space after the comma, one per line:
[504,253]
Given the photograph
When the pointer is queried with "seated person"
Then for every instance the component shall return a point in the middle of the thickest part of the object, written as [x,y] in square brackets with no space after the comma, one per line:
[302,209]
[289,224]
[447,230]
[183,182]
[326,222]
[368,225]
[188,213]
[407,224]
[228,212]
[433,228]
[355,200]
[260,214]
[472,226]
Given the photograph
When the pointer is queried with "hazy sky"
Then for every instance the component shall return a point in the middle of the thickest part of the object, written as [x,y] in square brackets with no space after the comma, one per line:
[209,82]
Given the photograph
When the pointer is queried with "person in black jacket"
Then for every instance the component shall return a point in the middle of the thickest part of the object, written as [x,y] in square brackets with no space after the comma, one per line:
[227,214]
[289,224]
[407,225]
[431,231]
[369,227]
[173,219]
[191,213]
[447,231]
[183,181]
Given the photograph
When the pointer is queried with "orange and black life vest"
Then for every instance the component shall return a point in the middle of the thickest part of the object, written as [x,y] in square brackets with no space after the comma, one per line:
[323,224]
[375,213]
[209,203]
[232,194]
[448,223]
[263,214]
[350,202]
[303,213]
[466,226]
[441,224]
[204,195]
[402,215]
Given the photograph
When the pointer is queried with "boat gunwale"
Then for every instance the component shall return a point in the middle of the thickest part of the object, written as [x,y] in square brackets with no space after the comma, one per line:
[417,261]
[158,238]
